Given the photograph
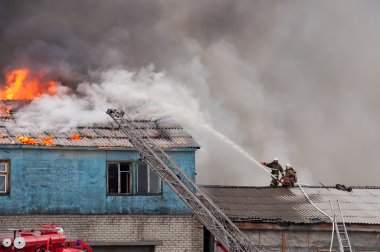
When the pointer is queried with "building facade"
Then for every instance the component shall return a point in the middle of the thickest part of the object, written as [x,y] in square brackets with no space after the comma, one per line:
[92,182]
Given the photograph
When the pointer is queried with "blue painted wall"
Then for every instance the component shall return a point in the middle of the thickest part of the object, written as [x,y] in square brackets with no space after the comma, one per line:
[73,181]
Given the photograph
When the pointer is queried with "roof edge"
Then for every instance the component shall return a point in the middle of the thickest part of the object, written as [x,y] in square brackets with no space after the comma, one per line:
[279,187]
[87,148]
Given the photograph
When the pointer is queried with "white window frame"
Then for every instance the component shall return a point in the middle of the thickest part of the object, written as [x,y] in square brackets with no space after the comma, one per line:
[130,186]
[6,175]
[149,170]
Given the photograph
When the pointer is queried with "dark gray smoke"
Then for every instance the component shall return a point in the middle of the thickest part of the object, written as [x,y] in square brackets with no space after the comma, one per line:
[293,79]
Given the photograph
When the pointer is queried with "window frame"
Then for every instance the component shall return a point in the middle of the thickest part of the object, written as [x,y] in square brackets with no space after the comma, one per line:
[130,185]
[7,176]
[133,179]
[149,170]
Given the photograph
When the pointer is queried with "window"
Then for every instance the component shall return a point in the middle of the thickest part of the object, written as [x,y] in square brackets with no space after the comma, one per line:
[4,177]
[119,178]
[132,178]
[148,181]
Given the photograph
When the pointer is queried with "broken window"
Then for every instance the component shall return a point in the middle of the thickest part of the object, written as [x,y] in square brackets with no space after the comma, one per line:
[148,182]
[119,176]
[4,177]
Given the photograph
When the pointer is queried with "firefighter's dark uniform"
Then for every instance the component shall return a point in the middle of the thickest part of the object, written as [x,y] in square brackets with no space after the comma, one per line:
[290,176]
[276,169]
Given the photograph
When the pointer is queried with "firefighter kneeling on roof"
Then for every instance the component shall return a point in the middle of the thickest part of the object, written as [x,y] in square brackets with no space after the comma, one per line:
[276,169]
[290,177]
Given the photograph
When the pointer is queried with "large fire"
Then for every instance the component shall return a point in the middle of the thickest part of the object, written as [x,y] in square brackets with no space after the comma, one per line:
[21,84]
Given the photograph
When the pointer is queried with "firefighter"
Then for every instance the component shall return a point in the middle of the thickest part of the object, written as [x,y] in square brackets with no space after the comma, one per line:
[276,170]
[290,177]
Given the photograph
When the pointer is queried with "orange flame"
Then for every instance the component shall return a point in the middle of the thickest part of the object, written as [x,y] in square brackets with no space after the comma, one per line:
[7,111]
[27,140]
[76,137]
[22,85]
[48,140]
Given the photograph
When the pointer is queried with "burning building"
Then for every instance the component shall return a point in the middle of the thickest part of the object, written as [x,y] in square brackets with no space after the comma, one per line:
[91,181]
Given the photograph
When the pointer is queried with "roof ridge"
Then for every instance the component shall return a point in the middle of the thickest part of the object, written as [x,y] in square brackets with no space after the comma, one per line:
[269,187]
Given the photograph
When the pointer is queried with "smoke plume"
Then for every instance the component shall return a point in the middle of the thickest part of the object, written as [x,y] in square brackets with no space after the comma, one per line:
[297,80]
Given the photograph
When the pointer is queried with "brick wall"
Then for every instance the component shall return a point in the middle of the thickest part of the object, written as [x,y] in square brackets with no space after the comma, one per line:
[311,241]
[167,232]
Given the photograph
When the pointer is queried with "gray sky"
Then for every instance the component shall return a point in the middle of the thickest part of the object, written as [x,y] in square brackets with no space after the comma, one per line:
[298,80]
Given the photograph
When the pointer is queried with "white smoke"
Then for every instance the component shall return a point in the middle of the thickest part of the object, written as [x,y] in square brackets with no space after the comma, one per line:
[293,79]
[144,95]
[183,93]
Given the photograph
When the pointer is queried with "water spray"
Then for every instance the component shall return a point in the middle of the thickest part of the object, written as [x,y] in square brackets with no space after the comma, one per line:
[236,147]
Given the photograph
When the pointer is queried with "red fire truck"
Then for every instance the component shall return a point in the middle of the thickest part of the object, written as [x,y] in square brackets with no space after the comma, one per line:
[45,238]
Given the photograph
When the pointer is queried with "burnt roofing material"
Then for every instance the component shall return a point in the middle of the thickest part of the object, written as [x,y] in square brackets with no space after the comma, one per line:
[165,133]
[283,205]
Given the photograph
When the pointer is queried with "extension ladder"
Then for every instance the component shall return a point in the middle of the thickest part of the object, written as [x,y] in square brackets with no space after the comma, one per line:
[341,230]
[169,171]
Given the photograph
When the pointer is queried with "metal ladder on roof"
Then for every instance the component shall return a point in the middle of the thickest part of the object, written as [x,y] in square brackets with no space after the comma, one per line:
[341,230]
[169,171]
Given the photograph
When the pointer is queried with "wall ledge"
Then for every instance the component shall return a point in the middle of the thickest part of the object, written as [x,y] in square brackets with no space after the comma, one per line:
[126,243]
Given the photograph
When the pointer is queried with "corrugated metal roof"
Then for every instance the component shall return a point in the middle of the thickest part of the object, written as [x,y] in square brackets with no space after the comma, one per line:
[268,204]
[166,133]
